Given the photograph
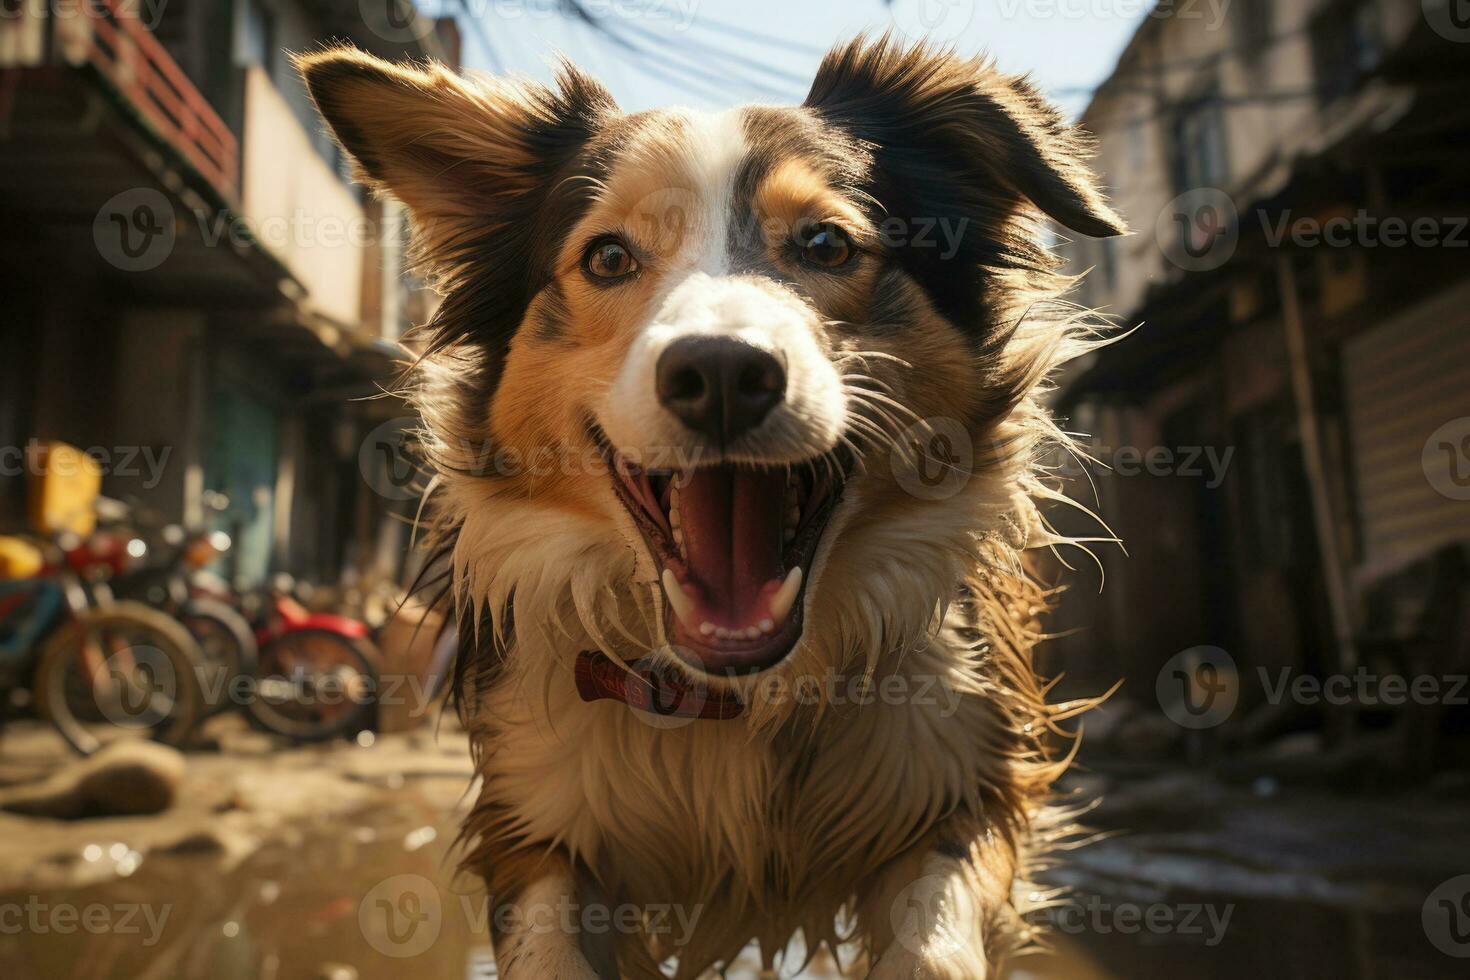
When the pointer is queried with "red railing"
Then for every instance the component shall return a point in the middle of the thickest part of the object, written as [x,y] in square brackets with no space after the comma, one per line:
[119,47]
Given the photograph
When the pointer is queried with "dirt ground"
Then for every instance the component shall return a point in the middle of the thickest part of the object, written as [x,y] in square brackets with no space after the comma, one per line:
[336,862]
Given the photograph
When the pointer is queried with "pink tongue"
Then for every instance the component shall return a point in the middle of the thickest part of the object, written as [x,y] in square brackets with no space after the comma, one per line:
[731,520]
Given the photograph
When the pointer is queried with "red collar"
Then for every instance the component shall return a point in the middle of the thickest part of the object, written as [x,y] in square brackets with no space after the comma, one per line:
[666,692]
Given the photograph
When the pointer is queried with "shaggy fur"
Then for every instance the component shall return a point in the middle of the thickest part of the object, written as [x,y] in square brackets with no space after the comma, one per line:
[898,828]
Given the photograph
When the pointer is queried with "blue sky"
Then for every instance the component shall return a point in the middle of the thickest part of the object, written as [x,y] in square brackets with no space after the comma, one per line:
[772,46]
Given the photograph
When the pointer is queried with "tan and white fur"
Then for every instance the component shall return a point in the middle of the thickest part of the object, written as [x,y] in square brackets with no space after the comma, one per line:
[898,827]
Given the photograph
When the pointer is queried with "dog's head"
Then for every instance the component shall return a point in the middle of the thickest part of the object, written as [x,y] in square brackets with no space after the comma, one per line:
[751,349]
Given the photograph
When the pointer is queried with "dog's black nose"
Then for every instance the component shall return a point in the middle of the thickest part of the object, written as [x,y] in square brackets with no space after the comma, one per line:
[718,386]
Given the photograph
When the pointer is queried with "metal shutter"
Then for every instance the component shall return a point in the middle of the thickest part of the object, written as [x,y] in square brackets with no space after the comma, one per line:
[1403,381]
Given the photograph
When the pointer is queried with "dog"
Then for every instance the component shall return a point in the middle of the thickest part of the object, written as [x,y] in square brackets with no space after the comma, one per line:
[736,435]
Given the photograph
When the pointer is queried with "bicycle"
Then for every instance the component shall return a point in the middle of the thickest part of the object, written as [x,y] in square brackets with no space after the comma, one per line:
[94,669]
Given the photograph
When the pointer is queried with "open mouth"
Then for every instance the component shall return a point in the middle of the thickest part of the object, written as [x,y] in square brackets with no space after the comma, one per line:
[735,545]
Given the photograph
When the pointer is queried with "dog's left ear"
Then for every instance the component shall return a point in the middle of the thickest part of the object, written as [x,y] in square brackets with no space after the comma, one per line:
[955,134]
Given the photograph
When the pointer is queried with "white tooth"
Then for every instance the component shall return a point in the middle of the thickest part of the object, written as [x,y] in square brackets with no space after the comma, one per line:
[789,534]
[767,626]
[721,633]
[785,596]
[679,539]
[752,633]
[674,515]
[683,606]
[706,629]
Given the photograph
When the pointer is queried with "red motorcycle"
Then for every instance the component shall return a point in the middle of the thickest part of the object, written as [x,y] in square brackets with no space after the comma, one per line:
[318,672]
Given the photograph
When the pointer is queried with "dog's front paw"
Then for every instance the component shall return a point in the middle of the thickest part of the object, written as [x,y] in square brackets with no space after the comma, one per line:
[900,963]
[544,963]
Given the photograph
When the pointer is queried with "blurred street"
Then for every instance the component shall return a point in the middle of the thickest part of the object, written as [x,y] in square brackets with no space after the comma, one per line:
[293,863]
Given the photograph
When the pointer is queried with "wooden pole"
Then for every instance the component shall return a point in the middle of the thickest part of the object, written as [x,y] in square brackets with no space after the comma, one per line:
[1316,468]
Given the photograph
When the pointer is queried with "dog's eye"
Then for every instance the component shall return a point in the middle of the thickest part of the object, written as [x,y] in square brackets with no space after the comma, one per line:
[608,258]
[825,246]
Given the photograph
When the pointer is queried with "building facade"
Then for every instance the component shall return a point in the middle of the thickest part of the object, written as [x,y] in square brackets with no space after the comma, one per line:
[1289,429]
[195,290]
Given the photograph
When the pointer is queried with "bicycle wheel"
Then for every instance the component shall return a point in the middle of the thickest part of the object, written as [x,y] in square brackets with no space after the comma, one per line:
[227,645]
[117,671]
[314,685]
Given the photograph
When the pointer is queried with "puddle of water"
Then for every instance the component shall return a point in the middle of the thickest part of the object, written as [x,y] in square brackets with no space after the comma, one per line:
[372,897]
[1211,937]
[376,898]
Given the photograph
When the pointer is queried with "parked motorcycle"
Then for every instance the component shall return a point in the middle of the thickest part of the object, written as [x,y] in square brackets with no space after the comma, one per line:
[318,673]
[172,581]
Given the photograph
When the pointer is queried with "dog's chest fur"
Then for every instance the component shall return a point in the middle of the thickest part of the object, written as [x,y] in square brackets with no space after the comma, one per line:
[755,831]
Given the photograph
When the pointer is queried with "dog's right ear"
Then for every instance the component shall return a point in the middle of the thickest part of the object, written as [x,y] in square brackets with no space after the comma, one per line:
[457,152]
